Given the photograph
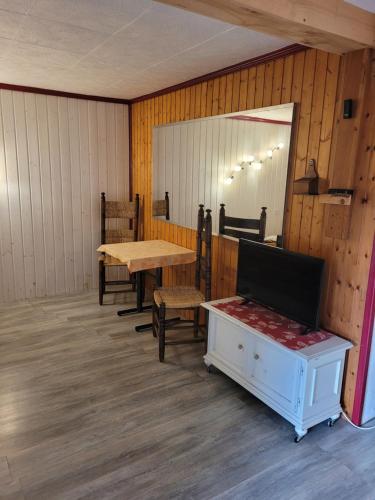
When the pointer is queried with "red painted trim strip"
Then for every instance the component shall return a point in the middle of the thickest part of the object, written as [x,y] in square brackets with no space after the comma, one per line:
[246,118]
[270,56]
[58,93]
[366,339]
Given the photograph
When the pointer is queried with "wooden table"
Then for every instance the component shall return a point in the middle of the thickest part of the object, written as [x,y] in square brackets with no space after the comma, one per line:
[141,256]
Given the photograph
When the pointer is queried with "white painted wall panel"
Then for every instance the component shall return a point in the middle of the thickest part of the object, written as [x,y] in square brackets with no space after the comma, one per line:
[56,155]
[192,159]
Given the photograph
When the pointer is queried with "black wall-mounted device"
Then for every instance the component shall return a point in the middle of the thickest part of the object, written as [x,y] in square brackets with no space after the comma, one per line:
[348,108]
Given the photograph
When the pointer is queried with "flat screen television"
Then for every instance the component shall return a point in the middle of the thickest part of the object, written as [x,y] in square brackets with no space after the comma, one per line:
[287,282]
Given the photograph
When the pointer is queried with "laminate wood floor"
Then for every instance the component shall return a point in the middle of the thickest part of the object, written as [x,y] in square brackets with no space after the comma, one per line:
[88,412]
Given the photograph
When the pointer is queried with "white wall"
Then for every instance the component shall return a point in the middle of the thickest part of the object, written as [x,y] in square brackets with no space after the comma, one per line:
[192,159]
[56,155]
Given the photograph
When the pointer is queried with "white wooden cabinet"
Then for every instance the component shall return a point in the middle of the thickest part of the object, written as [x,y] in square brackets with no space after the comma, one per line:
[303,386]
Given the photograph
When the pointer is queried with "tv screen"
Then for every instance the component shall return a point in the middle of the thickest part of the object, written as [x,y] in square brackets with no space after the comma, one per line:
[287,282]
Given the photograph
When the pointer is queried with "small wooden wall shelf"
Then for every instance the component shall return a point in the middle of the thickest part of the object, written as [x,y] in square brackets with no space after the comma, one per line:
[335,199]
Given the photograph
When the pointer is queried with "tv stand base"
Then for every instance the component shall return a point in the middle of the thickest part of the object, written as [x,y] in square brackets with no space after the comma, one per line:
[303,386]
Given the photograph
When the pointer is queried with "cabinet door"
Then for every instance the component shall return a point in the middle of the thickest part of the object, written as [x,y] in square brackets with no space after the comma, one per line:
[230,344]
[277,373]
[323,386]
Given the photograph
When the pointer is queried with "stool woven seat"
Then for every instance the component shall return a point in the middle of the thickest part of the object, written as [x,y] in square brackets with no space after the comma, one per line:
[179,297]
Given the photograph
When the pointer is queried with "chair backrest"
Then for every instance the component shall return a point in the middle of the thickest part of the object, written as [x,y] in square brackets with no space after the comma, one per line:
[128,211]
[161,207]
[231,226]
[204,259]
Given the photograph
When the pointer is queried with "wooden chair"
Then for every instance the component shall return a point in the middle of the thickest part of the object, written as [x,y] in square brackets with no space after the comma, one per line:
[231,226]
[161,207]
[127,211]
[186,297]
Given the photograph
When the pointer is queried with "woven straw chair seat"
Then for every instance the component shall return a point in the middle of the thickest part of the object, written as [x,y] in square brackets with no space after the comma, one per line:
[179,297]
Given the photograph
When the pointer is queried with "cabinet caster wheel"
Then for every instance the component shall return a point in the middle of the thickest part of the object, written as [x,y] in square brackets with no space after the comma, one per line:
[299,437]
[331,421]
[209,369]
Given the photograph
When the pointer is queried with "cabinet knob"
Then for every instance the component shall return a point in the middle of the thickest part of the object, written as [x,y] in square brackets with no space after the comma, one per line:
[256,356]
[240,347]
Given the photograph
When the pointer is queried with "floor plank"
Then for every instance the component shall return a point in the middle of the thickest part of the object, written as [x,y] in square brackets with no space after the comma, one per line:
[88,412]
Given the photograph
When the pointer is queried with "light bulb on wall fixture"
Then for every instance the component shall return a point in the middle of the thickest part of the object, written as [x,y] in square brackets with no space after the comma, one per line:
[228,180]
[249,158]
[237,168]
[269,153]
[257,165]
[280,145]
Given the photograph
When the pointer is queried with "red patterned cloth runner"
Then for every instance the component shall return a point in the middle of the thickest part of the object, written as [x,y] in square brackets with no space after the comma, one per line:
[277,327]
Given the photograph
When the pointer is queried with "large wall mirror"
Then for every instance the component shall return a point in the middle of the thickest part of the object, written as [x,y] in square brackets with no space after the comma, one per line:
[239,159]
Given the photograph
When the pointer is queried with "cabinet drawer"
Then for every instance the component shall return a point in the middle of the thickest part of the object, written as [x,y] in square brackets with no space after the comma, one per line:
[230,344]
[276,373]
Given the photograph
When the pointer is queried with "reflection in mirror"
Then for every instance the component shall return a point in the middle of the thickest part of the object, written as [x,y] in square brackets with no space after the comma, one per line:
[239,159]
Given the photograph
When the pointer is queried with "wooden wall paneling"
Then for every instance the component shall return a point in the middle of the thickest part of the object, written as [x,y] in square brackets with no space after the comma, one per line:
[236,91]
[251,88]
[24,193]
[183,105]
[197,100]
[259,85]
[215,97]
[316,238]
[228,93]
[45,172]
[313,147]
[303,129]
[310,79]
[56,187]
[75,176]
[66,192]
[277,82]
[93,138]
[268,81]
[355,67]
[296,94]
[191,107]
[209,97]
[13,193]
[222,91]
[286,86]
[7,266]
[56,162]
[356,263]
[204,99]
[173,107]
[86,182]
[242,98]
[36,194]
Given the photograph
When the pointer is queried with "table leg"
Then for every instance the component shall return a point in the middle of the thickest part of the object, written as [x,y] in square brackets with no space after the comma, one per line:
[139,291]
[159,281]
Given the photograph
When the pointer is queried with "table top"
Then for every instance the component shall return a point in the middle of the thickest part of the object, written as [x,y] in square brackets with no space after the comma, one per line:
[149,254]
